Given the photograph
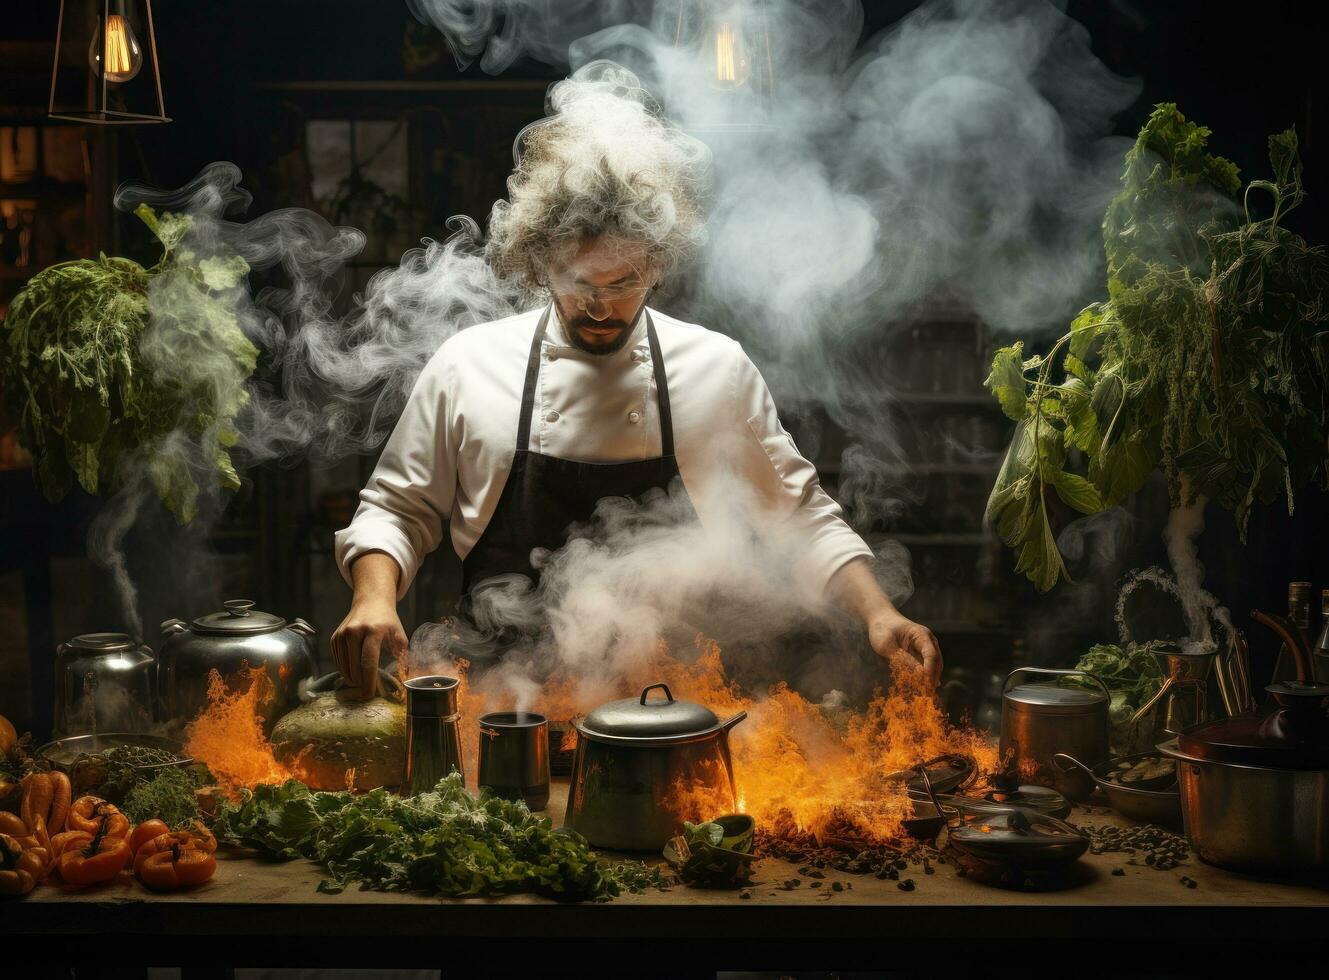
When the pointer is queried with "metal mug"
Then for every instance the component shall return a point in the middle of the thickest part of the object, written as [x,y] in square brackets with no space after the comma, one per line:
[1040,720]
[514,756]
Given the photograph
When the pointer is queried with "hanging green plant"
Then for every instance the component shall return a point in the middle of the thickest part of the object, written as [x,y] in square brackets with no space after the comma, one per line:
[1209,359]
[108,365]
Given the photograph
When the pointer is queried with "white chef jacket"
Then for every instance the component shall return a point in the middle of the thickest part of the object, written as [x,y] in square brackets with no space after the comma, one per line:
[450,453]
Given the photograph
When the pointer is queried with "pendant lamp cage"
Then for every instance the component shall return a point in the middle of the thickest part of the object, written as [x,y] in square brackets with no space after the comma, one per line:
[106,35]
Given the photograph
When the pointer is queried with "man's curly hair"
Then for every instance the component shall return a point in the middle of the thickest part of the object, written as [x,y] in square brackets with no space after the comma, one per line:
[604,161]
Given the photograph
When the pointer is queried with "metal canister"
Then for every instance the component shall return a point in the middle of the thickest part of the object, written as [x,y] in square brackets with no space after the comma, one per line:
[433,737]
[104,682]
[1040,720]
[514,756]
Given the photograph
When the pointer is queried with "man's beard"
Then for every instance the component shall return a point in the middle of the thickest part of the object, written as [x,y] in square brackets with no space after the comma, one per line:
[611,343]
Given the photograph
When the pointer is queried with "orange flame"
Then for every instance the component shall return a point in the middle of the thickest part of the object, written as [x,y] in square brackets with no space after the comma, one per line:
[228,736]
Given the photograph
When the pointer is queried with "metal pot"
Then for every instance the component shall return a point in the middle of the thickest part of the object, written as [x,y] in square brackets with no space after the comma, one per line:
[230,642]
[632,755]
[1040,720]
[103,683]
[1255,789]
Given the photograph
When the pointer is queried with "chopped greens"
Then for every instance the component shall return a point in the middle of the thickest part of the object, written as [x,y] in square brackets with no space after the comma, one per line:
[1209,359]
[103,358]
[444,842]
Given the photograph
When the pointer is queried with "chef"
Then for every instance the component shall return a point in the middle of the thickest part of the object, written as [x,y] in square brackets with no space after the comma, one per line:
[517,428]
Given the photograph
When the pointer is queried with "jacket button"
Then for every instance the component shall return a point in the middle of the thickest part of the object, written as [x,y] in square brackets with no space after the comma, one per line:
[634,417]
[551,417]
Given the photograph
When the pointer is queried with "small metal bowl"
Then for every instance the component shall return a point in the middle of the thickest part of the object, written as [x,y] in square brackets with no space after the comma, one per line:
[64,753]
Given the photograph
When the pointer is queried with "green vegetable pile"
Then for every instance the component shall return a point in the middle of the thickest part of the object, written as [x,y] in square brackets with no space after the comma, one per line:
[1132,676]
[170,795]
[1209,359]
[103,358]
[444,842]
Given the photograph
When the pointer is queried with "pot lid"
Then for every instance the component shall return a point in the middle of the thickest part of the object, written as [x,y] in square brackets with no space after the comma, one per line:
[647,717]
[1050,699]
[1293,735]
[240,618]
[102,643]
[1019,837]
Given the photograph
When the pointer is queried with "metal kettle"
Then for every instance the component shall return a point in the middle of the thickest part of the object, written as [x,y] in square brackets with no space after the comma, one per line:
[230,642]
[103,683]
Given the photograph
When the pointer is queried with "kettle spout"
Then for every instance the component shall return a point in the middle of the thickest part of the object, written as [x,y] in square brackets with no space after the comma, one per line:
[1301,654]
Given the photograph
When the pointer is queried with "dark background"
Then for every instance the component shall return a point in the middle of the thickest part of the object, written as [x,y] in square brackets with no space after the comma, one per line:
[243,80]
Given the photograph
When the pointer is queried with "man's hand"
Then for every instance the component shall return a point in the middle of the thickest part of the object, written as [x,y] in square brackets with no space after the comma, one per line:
[371,624]
[901,641]
[892,635]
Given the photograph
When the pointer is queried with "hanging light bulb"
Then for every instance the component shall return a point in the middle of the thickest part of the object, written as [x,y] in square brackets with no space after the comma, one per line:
[727,55]
[115,50]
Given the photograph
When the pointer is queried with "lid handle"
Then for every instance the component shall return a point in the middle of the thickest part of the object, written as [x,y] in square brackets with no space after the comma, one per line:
[238,607]
[1056,672]
[665,688]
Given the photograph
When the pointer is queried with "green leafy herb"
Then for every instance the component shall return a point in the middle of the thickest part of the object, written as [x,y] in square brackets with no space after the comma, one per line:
[169,796]
[1209,359]
[701,857]
[444,842]
[1132,676]
[103,358]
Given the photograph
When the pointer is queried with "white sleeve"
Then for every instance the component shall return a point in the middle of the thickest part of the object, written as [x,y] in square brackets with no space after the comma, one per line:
[408,500]
[788,485]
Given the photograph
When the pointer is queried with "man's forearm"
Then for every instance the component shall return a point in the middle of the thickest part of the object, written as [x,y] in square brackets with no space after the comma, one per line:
[855,589]
[374,578]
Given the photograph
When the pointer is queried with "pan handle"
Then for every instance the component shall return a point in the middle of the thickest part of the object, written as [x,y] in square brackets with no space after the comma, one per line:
[663,687]
[1056,672]
[726,725]
[1068,763]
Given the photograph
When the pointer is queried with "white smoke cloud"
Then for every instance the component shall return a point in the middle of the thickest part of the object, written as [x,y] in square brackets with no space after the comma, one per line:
[963,153]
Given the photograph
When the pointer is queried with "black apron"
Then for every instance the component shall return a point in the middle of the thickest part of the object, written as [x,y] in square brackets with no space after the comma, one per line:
[544,495]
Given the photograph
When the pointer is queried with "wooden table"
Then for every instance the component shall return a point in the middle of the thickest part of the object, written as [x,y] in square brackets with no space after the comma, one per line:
[256,913]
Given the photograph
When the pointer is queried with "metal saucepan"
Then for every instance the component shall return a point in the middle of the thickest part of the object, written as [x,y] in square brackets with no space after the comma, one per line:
[1160,806]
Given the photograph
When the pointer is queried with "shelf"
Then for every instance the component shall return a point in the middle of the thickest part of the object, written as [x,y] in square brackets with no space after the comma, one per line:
[946,398]
[393,85]
[957,539]
[925,469]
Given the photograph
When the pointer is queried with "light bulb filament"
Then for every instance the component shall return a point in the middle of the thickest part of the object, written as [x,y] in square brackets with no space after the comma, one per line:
[726,60]
[118,60]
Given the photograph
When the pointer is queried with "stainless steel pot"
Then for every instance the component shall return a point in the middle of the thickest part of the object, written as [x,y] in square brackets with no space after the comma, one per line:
[229,642]
[1255,788]
[103,683]
[1040,720]
[634,757]
[1252,818]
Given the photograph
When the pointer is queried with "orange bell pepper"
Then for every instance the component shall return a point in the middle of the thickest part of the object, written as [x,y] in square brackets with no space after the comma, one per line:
[145,831]
[177,866]
[86,815]
[20,867]
[101,860]
[60,796]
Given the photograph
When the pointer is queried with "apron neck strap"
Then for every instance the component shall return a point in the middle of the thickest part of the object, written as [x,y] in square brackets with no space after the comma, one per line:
[533,375]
